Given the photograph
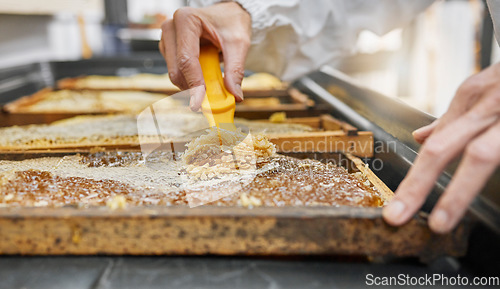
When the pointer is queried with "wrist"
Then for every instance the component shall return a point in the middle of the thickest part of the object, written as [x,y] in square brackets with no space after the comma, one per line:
[258,16]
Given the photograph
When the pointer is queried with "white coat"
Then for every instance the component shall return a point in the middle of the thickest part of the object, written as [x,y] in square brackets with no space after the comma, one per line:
[291,38]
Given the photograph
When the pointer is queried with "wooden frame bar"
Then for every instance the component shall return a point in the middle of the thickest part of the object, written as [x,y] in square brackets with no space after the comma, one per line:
[337,136]
[159,230]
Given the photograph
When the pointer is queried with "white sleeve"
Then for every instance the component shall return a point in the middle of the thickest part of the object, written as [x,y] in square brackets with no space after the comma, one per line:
[494,7]
[291,38]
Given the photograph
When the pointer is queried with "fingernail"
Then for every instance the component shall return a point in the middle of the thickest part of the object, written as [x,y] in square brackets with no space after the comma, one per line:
[191,105]
[194,105]
[239,92]
[418,131]
[439,221]
[197,94]
[394,210]
[192,102]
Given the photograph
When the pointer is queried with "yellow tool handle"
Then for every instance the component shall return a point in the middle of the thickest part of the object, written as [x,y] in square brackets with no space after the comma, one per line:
[218,105]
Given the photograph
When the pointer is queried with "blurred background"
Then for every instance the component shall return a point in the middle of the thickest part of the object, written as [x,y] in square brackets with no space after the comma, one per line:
[421,64]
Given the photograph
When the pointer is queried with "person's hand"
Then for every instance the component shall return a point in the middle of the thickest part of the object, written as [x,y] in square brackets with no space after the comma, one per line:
[470,126]
[225,25]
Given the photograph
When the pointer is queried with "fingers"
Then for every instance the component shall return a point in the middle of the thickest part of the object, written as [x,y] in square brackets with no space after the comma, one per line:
[234,52]
[424,132]
[479,162]
[459,105]
[169,52]
[439,149]
[161,47]
[471,124]
[465,98]
[180,46]
[189,29]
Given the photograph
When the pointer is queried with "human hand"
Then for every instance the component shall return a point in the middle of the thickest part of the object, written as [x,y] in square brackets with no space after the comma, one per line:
[470,126]
[226,25]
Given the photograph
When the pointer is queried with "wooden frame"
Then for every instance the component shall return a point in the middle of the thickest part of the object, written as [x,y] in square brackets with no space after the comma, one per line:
[337,136]
[360,144]
[71,83]
[18,106]
[221,231]
[291,101]
[203,230]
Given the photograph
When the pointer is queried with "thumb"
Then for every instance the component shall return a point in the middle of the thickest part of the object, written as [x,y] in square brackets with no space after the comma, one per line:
[424,132]
[234,55]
